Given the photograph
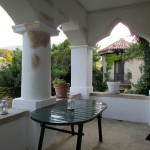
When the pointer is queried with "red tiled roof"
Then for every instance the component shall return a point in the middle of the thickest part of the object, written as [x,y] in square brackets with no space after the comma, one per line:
[118,45]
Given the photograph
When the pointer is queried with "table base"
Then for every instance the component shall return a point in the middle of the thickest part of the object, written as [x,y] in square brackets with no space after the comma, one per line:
[79,133]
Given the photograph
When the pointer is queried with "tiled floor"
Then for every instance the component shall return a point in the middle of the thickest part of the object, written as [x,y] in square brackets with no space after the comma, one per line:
[117,135]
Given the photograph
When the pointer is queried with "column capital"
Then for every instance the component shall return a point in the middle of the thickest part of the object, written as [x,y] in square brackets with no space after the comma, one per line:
[81,47]
[35,26]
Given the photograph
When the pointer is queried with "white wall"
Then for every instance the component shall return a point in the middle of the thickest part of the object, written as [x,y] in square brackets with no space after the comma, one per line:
[13,135]
[101,23]
[135,110]
[133,66]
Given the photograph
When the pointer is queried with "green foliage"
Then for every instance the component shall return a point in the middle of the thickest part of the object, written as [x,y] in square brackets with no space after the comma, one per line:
[110,59]
[61,60]
[6,54]
[96,56]
[98,84]
[59,81]
[107,76]
[134,51]
[129,74]
[10,76]
[143,85]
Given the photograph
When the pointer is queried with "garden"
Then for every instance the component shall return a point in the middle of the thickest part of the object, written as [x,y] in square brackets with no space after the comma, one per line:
[10,73]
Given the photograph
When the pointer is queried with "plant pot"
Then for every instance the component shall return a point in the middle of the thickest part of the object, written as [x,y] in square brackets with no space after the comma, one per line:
[113,87]
[61,90]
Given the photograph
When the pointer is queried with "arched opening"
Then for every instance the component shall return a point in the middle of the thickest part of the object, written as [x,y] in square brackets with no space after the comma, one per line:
[111,65]
[119,31]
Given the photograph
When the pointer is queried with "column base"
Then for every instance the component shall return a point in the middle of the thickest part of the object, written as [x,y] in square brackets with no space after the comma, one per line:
[84,91]
[33,128]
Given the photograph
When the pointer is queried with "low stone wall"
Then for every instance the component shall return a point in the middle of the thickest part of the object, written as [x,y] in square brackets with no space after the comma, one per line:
[13,130]
[129,107]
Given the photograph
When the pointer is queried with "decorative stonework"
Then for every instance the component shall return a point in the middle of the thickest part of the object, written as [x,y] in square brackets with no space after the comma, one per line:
[35,61]
[39,38]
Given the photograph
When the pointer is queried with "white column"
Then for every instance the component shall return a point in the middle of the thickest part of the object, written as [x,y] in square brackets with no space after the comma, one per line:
[36,66]
[81,70]
[36,78]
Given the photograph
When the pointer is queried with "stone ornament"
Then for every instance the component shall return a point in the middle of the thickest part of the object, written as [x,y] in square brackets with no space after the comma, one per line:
[3,107]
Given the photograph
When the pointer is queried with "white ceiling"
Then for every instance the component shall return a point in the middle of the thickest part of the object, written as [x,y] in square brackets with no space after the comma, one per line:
[96,5]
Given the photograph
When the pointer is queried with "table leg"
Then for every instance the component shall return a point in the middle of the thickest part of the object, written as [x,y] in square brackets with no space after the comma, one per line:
[79,137]
[100,128]
[72,129]
[41,136]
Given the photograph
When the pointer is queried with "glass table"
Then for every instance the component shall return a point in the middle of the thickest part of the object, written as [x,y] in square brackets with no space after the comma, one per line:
[58,114]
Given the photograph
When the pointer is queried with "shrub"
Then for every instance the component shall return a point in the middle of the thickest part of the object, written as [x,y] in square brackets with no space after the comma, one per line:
[10,76]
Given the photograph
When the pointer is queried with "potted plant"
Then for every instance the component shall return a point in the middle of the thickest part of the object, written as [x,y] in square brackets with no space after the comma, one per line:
[61,88]
[113,86]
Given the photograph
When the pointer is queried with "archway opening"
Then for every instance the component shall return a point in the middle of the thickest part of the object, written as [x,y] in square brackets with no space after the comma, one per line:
[110,65]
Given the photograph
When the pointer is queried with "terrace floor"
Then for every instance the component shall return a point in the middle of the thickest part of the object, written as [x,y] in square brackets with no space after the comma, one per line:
[117,135]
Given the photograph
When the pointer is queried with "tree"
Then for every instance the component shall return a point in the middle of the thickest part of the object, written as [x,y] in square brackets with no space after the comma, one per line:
[10,75]
[6,54]
[143,85]
[98,84]
[61,61]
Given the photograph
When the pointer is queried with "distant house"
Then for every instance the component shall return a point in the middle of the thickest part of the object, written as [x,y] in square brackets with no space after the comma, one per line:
[119,70]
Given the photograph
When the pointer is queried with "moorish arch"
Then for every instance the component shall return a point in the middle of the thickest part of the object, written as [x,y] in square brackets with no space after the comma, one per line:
[84,22]
[100,23]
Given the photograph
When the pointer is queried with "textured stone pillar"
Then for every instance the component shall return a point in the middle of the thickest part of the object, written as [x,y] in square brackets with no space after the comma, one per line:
[36,66]
[81,70]
[36,78]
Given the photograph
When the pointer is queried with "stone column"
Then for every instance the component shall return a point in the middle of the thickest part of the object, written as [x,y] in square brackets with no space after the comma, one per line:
[81,70]
[36,66]
[36,78]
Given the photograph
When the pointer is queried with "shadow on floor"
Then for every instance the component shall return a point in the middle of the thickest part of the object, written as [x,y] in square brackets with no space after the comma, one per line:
[117,135]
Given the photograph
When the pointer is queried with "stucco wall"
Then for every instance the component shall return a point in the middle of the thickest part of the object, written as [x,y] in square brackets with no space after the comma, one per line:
[101,23]
[13,135]
[133,66]
[122,107]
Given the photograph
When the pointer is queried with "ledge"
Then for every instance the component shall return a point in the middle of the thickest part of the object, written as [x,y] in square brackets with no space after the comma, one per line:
[74,96]
[13,114]
[120,95]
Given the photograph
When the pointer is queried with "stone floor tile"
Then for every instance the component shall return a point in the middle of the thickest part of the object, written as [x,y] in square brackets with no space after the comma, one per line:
[117,135]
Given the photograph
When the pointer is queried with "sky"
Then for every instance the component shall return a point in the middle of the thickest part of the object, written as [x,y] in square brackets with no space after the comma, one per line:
[9,38]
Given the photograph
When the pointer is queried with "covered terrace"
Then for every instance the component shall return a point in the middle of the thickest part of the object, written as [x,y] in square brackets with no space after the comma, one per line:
[84,22]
